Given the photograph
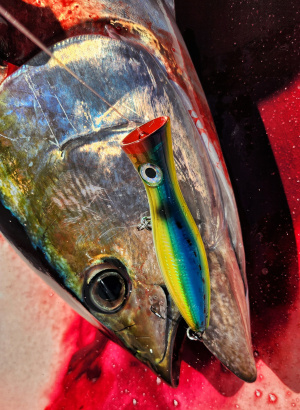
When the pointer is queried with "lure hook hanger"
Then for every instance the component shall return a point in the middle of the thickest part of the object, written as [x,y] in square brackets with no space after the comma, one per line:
[192,335]
[145,224]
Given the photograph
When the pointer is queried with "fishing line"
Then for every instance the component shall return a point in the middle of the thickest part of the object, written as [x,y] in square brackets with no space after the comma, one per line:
[19,26]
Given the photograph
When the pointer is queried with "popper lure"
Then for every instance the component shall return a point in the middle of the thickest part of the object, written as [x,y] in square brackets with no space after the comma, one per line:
[179,247]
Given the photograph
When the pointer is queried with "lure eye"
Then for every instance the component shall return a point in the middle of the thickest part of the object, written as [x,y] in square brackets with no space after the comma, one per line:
[151,174]
[106,289]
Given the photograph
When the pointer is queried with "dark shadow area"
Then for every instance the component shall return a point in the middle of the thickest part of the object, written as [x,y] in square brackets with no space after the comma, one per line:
[84,361]
[244,52]
[199,357]
[15,48]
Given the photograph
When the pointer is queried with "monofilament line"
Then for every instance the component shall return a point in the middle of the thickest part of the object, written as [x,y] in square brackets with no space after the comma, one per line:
[42,46]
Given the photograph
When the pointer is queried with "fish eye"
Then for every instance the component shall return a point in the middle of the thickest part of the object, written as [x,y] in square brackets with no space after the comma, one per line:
[106,289]
[151,174]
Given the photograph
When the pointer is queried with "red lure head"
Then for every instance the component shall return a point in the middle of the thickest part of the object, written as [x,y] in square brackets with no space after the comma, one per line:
[143,139]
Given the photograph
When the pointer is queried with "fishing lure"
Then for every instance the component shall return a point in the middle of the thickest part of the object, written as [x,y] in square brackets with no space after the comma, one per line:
[179,246]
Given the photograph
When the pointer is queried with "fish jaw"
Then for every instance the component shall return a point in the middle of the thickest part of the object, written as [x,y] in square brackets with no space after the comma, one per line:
[148,325]
[166,366]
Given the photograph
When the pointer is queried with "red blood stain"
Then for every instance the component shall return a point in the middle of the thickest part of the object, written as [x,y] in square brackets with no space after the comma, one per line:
[77,388]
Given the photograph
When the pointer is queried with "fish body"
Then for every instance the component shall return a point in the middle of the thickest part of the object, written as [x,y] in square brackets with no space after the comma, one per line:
[179,246]
[71,204]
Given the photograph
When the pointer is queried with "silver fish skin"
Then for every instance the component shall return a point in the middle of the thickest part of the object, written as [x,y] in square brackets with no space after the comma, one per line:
[76,199]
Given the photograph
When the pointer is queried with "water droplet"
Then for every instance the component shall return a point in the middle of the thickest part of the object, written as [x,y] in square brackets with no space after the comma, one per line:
[134,402]
[258,393]
[272,398]
[158,381]
[175,402]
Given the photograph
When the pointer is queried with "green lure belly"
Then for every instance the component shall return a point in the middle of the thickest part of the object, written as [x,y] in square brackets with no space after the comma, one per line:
[178,244]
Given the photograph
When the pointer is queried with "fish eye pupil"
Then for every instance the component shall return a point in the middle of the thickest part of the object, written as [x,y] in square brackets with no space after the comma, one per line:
[150,172]
[106,287]
[109,288]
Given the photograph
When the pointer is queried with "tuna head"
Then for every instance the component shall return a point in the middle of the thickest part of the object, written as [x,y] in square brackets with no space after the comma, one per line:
[75,200]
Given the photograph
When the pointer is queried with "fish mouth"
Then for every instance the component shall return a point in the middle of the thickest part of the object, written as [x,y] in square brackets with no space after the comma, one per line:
[158,341]
[168,367]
